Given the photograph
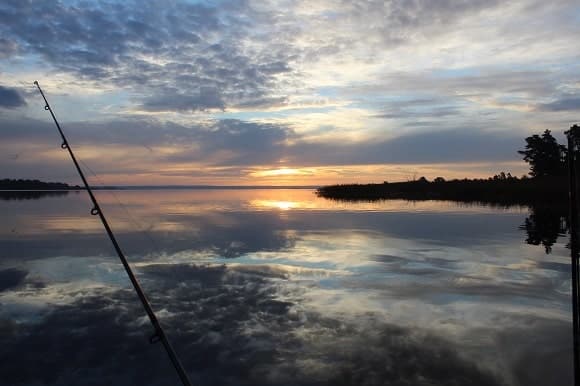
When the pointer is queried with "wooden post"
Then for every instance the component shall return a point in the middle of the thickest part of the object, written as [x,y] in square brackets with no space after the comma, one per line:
[572,135]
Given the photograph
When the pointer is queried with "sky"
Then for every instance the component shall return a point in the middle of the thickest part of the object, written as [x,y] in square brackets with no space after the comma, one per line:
[283,92]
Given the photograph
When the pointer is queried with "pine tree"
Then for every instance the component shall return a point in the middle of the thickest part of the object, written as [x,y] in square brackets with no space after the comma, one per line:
[545,156]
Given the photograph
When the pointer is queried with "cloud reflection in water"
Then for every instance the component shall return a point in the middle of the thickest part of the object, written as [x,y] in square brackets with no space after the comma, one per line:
[230,328]
[320,294]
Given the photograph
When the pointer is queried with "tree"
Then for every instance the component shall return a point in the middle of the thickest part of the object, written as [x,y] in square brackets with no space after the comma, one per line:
[545,156]
[574,133]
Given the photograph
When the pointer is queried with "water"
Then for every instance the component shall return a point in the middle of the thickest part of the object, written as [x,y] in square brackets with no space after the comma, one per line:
[279,287]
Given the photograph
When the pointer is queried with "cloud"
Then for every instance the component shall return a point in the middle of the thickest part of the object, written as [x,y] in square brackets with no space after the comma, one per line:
[7,48]
[400,22]
[458,145]
[245,143]
[166,55]
[207,98]
[11,277]
[227,148]
[437,112]
[263,103]
[571,103]
[388,73]
[142,146]
[10,98]
[173,57]
[445,93]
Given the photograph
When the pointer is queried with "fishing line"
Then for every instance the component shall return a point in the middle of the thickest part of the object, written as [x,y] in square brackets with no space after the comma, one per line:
[159,333]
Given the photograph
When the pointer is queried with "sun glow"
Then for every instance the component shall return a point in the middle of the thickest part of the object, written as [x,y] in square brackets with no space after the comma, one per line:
[278,172]
[275,204]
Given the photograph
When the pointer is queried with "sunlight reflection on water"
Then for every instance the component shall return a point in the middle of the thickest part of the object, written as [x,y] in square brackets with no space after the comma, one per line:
[283,287]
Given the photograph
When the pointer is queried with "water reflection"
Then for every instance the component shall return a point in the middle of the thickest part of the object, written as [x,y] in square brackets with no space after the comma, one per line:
[30,195]
[545,224]
[283,287]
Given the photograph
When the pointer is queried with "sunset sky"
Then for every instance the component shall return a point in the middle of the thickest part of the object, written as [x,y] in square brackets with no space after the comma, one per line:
[283,92]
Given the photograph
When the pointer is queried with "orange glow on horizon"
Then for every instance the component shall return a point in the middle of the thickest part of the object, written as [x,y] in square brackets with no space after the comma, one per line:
[279,172]
[200,174]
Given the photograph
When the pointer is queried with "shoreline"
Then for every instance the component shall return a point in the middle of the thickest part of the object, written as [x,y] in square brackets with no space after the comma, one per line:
[527,191]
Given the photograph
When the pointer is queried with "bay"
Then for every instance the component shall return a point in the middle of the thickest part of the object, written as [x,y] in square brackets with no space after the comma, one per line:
[281,287]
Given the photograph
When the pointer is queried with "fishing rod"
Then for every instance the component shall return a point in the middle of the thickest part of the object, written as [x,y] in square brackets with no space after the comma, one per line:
[158,334]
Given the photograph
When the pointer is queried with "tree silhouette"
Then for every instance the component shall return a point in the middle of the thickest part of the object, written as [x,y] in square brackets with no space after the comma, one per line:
[545,156]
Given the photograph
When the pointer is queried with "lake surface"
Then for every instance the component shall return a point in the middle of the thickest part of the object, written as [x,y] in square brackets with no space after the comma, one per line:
[280,287]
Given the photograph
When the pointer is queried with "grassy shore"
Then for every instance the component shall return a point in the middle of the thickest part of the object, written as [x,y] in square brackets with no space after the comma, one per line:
[545,190]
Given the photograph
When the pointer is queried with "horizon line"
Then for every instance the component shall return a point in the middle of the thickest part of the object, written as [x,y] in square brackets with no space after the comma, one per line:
[206,187]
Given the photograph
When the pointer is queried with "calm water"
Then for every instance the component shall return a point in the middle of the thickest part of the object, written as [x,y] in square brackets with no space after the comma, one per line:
[279,287]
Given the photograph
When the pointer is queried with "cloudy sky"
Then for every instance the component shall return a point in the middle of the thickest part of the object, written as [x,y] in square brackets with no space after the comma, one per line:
[283,92]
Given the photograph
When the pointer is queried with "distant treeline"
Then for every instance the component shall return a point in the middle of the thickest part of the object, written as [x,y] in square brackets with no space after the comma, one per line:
[9,184]
[501,189]
[548,184]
